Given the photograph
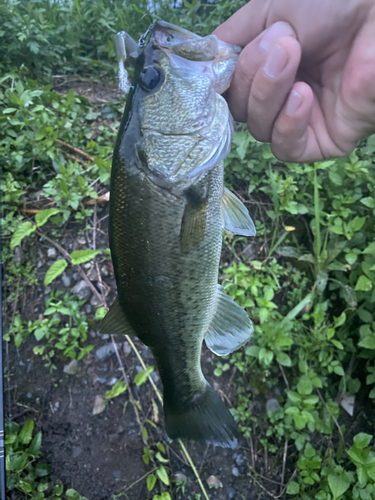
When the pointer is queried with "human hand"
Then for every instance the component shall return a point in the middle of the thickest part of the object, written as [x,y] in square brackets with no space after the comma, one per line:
[307,83]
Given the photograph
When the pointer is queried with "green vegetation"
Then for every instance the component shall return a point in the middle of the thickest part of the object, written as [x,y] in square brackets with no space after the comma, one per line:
[25,471]
[306,280]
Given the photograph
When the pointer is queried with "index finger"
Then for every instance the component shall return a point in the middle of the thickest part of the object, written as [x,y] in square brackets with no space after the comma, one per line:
[245,24]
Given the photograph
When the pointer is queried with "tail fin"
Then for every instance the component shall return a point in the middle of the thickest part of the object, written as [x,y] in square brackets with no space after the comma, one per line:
[204,418]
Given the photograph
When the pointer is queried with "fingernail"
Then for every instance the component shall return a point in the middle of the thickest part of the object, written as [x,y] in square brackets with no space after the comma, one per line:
[274,32]
[293,103]
[276,61]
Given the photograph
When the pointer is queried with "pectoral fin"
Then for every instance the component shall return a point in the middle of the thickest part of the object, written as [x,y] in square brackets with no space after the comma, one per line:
[230,327]
[236,216]
[193,225]
[115,322]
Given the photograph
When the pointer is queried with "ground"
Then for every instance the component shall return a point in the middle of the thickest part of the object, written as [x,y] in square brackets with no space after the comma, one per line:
[101,455]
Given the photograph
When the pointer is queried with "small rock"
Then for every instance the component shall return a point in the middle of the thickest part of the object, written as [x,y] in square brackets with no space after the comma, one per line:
[72,368]
[213,481]
[106,350]
[47,290]
[147,354]
[272,405]
[155,377]
[29,395]
[88,309]
[92,274]
[231,493]
[235,472]
[180,476]
[39,264]
[66,280]
[113,381]
[99,405]
[93,333]
[127,348]
[347,402]
[94,301]
[29,367]
[51,252]
[81,240]
[242,469]
[102,380]
[138,368]
[117,474]
[77,450]
[239,459]
[105,336]
[76,276]
[81,290]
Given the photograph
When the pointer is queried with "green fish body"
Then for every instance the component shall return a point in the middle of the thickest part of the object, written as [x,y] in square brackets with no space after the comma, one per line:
[168,208]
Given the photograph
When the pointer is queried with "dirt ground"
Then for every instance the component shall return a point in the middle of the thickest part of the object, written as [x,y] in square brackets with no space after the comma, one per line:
[101,455]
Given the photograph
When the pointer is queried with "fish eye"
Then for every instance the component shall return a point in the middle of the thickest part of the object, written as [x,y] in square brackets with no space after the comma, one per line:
[150,78]
[169,38]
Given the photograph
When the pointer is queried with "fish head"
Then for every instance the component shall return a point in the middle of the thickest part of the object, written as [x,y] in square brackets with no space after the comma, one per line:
[185,126]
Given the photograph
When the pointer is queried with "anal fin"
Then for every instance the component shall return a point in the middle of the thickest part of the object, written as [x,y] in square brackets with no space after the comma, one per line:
[115,322]
[236,216]
[230,327]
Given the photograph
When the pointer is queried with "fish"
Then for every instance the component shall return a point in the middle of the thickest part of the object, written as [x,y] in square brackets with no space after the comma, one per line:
[168,209]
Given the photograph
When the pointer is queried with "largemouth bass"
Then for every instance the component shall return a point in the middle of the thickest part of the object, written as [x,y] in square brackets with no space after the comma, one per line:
[168,208]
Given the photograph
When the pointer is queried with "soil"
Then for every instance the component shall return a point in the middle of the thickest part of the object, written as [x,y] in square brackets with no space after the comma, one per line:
[101,455]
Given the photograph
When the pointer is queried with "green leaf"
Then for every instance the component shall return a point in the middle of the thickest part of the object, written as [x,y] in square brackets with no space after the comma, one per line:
[21,232]
[283,359]
[162,475]
[357,223]
[100,313]
[293,488]
[160,457]
[362,440]
[42,470]
[252,351]
[119,387]
[42,217]
[35,444]
[18,462]
[304,385]
[55,270]
[370,249]
[81,256]
[72,494]
[151,481]
[368,202]
[26,433]
[141,377]
[368,342]
[363,284]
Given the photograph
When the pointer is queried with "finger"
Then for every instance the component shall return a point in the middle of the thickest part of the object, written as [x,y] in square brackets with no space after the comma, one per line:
[245,24]
[271,86]
[251,59]
[294,138]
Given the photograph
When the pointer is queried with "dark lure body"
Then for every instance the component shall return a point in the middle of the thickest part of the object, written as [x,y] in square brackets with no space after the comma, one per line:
[165,229]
